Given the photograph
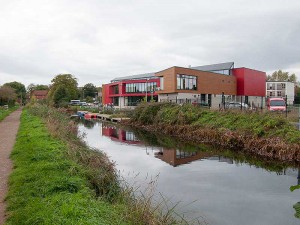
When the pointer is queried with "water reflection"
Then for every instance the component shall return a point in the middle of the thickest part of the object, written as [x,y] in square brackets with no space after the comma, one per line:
[232,188]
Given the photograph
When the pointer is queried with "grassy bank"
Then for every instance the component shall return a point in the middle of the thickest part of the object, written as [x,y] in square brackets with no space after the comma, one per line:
[5,112]
[57,179]
[268,135]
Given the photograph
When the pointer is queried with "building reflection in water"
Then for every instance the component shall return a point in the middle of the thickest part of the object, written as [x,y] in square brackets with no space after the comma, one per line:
[174,157]
[117,134]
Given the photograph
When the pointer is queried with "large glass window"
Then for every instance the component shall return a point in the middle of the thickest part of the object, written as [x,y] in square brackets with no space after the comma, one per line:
[186,82]
[162,83]
[141,87]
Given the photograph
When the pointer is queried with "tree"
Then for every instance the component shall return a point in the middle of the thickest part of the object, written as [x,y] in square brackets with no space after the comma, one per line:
[19,88]
[282,76]
[61,96]
[7,95]
[89,90]
[297,94]
[69,84]
[32,87]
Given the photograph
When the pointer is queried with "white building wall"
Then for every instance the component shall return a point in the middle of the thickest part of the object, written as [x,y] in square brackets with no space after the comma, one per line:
[275,88]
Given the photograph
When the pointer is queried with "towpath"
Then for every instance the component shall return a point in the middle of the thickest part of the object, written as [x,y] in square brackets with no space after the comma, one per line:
[8,131]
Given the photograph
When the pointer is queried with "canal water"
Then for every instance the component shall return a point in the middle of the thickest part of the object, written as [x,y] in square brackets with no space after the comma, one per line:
[218,187]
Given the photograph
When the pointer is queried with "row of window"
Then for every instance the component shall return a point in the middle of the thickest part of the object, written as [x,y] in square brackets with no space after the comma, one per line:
[279,86]
[186,82]
[279,93]
[141,87]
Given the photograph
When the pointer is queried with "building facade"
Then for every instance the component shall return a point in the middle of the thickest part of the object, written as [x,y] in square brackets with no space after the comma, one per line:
[281,89]
[126,92]
[211,85]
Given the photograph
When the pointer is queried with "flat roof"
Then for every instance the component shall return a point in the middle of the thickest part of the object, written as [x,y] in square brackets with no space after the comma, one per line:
[208,68]
[215,67]
[134,77]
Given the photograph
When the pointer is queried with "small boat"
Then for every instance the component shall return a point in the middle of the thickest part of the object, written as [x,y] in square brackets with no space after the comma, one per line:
[82,113]
[90,116]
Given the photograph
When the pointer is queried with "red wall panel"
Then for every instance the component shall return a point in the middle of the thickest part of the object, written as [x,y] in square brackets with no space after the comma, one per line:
[108,89]
[250,82]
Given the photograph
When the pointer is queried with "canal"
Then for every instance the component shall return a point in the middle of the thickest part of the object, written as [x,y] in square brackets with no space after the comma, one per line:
[218,187]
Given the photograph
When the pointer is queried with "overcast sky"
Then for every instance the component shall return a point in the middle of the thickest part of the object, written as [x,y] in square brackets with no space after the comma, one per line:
[98,40]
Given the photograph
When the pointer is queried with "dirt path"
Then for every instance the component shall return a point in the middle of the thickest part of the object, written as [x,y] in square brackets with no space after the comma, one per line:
[8,130]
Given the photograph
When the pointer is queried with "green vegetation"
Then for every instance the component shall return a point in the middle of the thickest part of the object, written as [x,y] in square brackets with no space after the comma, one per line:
[89,90]
[48,188]
[282,76]
[36,87]
[7,96]
[248,123]
[57,179]
[169,142]
[5,112]
[63,89]
[19,89]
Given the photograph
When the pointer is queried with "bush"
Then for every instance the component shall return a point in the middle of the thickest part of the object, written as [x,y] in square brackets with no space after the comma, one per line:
[254,123]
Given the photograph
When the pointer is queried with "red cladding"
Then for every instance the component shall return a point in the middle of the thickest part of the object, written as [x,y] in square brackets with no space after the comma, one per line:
[250,82]
[108,89]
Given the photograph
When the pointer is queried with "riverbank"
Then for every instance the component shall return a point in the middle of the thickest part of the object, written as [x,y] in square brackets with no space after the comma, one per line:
[265,135]
[58,179]
[5,112]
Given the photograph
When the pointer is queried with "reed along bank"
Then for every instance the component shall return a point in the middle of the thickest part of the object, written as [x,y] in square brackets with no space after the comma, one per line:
[58,179]
[267,135]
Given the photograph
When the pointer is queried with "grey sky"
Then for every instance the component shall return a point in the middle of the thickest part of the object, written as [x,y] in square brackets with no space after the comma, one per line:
[97,41]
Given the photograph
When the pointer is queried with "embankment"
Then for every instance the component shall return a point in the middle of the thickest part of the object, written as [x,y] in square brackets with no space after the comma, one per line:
[267,135]
[58,179]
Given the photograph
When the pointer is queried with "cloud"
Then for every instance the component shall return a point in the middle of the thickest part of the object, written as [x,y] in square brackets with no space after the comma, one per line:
[100,40]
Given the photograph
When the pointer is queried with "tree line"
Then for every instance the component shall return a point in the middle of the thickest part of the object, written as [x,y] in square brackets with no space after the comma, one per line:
[62,89]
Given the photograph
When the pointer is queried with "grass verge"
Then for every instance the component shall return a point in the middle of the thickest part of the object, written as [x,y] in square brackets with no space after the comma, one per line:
[57,179]
[48,188]
[5,112]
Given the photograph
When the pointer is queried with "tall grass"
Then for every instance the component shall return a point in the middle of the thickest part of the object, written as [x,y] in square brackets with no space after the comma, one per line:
[58,179]
[264,134]
[258,124]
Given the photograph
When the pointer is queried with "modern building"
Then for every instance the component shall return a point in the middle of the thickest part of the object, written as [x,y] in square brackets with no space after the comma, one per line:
[130,90]
[281,89]
[211,84]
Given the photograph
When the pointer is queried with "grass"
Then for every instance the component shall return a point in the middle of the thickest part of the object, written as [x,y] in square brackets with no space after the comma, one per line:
[254,123]
[48,188]
[5,112]
[58,179]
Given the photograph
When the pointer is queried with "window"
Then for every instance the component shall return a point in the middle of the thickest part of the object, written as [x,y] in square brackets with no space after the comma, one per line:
[185,82]
[130,136]
[271,93]
[162,83]
[279,93]
[116,101]
[115,89]
[283,85]
[141,87]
